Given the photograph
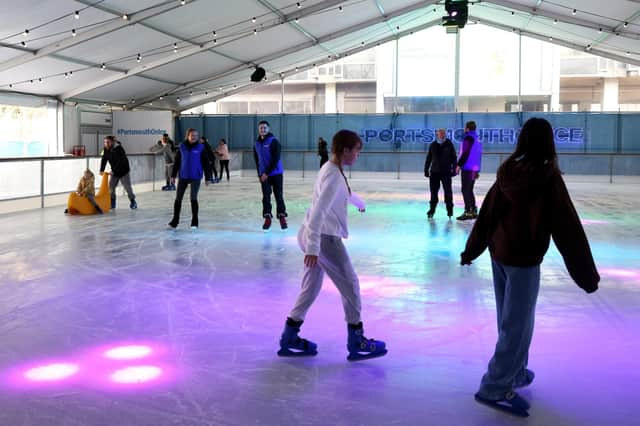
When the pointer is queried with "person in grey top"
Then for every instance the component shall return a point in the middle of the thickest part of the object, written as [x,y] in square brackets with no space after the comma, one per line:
[165,147]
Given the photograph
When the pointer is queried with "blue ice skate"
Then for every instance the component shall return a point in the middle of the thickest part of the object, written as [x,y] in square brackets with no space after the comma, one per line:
[362,348]
[512,403]
[292,345]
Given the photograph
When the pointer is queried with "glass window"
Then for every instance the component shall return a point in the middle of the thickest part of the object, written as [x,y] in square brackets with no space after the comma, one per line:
[29,128]
[427,64]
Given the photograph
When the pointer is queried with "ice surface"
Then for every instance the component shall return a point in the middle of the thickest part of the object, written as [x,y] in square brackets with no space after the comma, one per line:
[212,304]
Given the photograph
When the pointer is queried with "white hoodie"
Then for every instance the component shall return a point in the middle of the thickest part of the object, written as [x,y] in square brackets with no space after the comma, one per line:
[328,212]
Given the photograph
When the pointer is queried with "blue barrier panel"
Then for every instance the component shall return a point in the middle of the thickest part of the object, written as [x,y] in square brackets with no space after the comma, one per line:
[574,132]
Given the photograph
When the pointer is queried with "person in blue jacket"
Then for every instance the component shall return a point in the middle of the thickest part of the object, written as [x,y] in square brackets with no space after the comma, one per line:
[191,159]
[266,153]
[469,169]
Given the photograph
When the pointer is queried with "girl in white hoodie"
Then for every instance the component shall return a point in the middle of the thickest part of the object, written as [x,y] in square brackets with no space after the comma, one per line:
[320,237]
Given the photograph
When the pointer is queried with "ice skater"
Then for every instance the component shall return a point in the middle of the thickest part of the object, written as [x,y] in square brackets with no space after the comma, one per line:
[320,238]
[469,169]
[439,167]
[190,162]
[115,155]
[526,206]
[165,148]
[323,152]
[266,153]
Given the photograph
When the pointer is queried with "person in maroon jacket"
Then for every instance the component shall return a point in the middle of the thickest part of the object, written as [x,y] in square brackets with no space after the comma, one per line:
[527,206]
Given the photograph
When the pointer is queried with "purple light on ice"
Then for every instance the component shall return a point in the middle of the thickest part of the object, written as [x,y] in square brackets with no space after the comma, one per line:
[136,374]
[51,372]
[128,352]
[620,273]
[593,221]
[378,286]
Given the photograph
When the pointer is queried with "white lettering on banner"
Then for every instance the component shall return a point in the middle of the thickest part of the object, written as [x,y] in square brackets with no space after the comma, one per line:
[139,130]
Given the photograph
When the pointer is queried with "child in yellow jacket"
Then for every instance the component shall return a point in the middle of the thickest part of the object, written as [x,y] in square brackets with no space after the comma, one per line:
[87,188]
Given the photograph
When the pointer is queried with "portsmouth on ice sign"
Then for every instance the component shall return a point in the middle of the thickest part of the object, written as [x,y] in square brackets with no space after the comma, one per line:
[491,136]
[138,130]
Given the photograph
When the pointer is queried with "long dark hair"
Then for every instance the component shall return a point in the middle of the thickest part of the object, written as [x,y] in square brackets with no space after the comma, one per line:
[536,144]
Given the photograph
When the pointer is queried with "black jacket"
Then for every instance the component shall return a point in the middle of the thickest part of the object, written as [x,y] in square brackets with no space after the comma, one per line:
[118,160]
[441,159]
[526,207]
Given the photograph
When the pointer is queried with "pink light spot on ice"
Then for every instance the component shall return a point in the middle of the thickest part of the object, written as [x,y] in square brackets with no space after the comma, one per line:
[377,286]
[621,273]
[128,352]
[51,372]
[593,222]
[136,375]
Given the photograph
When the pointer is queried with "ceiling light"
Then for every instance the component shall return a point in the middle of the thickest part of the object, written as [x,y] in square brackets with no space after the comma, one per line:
[298,4]
[253,19]
[77,14]
[574,12]
[103,66]
[340,8]
[73,32]
[125,17]
[25,33]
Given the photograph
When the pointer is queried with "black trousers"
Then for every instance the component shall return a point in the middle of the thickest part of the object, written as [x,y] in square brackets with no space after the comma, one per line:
[177,205]
[435,179]
[208,171]
[274,183]
[323,159]
[224,165]
[468,178]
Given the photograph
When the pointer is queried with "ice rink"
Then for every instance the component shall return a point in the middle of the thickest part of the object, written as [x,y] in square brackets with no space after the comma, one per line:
[116,320]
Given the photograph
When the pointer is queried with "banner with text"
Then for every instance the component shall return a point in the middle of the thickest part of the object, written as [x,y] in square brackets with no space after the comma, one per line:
[139,130]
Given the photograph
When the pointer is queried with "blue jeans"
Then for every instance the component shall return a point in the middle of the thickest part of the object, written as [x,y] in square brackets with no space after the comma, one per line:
[516,290]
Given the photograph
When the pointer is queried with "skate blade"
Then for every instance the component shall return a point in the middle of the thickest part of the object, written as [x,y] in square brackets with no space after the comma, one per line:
[292,354]
[362,357]
[502,407]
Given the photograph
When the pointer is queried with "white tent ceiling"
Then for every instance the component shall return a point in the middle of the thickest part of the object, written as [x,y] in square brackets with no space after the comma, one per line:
[181,57]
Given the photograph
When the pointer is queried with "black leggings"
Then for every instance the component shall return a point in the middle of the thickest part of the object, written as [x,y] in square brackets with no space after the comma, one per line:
[177,205]
[224,165]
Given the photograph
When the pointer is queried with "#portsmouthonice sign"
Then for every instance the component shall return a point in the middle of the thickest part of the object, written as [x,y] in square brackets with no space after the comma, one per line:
[488,135]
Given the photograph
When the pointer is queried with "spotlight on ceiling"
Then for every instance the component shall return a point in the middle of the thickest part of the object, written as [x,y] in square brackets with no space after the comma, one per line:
[457,15]
[258,74]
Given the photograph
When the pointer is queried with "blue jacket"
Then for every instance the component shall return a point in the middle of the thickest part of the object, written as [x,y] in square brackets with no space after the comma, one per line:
[266,153]
[471,152]
[190,161]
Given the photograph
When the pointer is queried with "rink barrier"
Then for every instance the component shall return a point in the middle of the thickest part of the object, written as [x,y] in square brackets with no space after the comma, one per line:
[399,163]
[49,179]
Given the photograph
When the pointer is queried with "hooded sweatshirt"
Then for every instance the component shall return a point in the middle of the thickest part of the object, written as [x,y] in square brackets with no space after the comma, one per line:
[526,207]
[117,158]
